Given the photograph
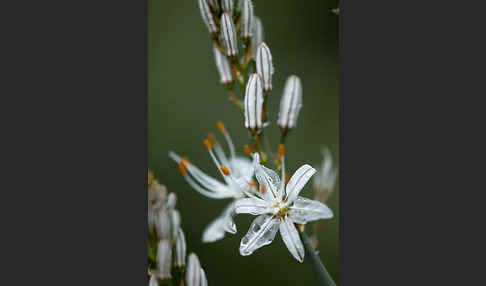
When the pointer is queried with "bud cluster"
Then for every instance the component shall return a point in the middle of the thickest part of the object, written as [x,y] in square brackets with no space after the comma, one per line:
[167,243]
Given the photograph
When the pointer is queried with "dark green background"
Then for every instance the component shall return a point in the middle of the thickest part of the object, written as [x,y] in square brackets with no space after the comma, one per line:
[186,100]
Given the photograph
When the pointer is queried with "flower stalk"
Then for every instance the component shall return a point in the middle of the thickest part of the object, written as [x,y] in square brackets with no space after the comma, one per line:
[321,272]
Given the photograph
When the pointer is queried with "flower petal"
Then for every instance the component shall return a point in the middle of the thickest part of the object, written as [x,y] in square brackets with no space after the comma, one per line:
[180,246]
[153,281]
[254,206]
[291,238]
[164,255]
[222,224]
[262,232]
[298,181]
[193,272]
[268,178]
[305,210]
[242,167]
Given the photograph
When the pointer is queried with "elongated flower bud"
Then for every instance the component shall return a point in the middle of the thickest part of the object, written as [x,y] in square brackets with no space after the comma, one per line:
[207,16]
[227,6]
[254,103]
[171,200]
[193,272]
[214,4]
[175,222]
[247,19]
[162,223]
[264,66]
[223,66]
[204,281]
[257,36]
[180,246]
[290,103]
[164,255]
[228,35]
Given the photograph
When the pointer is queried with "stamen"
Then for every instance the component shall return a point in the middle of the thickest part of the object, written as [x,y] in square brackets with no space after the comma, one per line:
[263,189]
[247,149]
[211,138]
[252,184]
[208,144]
[183,165]
[281,150]
[221,126]
[225,170]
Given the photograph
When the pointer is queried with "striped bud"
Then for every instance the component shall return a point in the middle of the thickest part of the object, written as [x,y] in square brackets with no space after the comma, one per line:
[257,36]
[180,246]
[214,4]
[207,16]
[171,200]
[254,103]
[247,19]
[228,35]
[227,6]
[164,255]
[193,271]
[264,66]
[290,103]
[175,219]
[204,281]
[223,66]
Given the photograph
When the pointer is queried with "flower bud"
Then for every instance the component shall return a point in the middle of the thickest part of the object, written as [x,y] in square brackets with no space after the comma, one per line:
[214,4]
[257,36]
[193,272]
[171,200]
[247,19]
[254,103]
[180,245]
[223,66]
[264,66]
[228,35]
[207,16]
[227,6]
[290,103]
[162,224]
[164,254]
[153,281]
[175,222]
[204,281]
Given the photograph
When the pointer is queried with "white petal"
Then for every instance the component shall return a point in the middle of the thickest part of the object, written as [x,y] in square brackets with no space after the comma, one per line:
[242,167]
[254,206]
[222,224]
[262,232]
[162,223]
[176,222]
[291,238]
[153,281]
[298,181]
[193,273]
[305,210]
[204,281]
[268,178]
[164,255]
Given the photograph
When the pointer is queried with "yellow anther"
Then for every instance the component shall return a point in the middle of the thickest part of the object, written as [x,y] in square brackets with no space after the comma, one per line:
[211,138]
[225,170]
[221,126]
[287,178]
[183,165]
[247,149]
[281,150]
[208,144]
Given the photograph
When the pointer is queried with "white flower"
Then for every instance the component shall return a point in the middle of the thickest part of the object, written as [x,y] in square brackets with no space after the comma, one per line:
[279,207]
[193,271]
[325,178]
[237,173]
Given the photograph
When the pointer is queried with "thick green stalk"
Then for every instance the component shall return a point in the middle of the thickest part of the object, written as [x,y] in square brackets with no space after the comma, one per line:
[321,272]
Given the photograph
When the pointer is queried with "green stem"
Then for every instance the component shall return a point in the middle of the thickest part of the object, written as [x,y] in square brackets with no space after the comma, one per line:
[321,272]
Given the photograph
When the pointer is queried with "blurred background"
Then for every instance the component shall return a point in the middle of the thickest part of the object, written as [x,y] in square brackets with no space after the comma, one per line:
[186,100]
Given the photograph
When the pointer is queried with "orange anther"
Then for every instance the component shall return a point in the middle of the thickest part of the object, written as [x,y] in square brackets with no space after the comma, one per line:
[287,178]
[225,170]
[263,189]
[281,150]
[247,149]
[183,165]
[253,184]
[211,138]
[208,144]
[221,126]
